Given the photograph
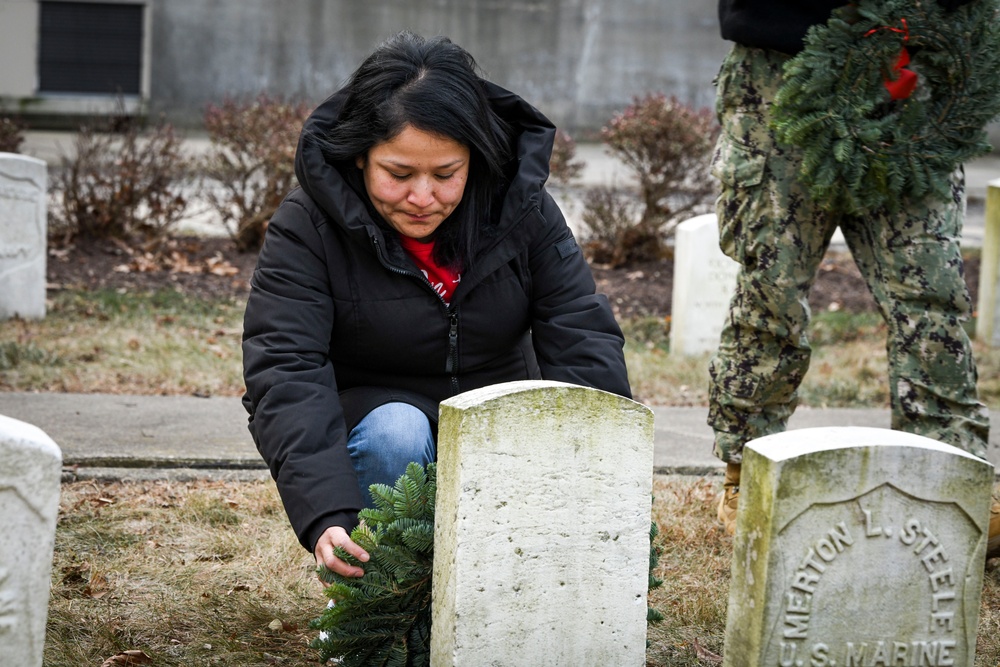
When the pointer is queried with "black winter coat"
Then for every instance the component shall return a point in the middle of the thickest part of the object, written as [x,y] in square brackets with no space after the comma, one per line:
[781,24]
[772,24]
[340,321]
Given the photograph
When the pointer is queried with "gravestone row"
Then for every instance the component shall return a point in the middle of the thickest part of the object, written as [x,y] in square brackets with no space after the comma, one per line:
[854,547]
[704,280]
[23,228]
[30,472]
[988,306]
[857,547]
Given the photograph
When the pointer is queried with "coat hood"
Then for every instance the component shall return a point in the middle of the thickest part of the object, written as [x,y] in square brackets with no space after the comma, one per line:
[533,139]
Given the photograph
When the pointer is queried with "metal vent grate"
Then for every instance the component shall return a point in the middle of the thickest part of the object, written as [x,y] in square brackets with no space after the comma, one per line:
[90,47]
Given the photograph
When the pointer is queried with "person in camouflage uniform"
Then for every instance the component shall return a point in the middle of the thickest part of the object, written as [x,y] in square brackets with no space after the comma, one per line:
[910,260]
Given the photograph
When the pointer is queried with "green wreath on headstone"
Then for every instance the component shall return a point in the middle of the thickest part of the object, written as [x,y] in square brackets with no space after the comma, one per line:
[383,619]
[888,98]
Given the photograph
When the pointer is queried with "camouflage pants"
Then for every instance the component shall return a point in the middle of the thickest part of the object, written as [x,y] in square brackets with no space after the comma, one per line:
[910,262]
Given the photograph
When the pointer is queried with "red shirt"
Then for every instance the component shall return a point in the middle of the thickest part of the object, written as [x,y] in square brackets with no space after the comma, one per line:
[442,279]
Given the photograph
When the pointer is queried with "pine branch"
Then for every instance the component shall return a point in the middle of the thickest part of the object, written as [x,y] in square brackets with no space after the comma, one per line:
[383,618]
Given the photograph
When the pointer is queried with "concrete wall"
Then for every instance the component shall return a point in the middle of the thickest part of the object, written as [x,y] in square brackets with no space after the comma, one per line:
[19,79]
[18,47]
[577,60]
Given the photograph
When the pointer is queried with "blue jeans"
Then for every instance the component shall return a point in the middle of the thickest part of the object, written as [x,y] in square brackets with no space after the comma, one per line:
[388,439]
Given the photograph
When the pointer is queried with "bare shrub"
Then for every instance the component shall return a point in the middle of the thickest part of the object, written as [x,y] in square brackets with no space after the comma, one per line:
[667,146]
[563,165]
[122,181]
[609,216]
[250,167]
[11,135]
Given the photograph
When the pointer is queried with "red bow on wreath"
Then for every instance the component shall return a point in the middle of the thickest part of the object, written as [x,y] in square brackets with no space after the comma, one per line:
[906,80]
[902,81]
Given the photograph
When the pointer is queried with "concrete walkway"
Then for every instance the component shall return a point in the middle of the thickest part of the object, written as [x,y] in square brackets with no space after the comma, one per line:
[183,437]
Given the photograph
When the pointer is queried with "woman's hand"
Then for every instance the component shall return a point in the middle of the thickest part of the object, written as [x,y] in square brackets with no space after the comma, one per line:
[337,537]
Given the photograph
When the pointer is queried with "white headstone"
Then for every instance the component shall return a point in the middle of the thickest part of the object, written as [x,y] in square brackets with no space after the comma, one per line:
[541,531]
[988,320]
[857,547]
[22,236]
[30,471]
[704,280]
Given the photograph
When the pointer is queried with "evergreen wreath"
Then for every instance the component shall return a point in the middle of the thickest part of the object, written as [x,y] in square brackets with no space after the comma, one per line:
[384,617]
[653,615]
[888,98]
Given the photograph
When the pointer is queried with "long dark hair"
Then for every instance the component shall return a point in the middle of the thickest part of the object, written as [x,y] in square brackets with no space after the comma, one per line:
[433,85]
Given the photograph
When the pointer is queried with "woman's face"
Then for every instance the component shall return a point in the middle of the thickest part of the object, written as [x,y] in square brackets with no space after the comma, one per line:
[415,180]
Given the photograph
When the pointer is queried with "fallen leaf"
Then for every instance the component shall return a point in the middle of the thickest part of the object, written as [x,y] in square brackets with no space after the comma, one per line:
[127,658]
[97,587]
[145,263]
[278,625]
[220,267]
[704,654]
[179,263]
[224,270]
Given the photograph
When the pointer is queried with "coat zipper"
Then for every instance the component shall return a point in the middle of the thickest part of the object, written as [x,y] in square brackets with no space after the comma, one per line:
[451,363]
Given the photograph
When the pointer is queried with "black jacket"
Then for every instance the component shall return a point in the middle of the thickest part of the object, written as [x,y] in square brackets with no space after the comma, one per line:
[780,24]
[339,320]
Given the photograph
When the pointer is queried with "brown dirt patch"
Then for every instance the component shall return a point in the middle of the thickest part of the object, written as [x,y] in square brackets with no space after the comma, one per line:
[213,268]
[647,289]
[198,267]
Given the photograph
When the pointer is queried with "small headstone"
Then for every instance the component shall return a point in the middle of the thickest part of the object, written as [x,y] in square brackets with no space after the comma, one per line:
[988,321]
[541,544]
[22,236]
[704,280]
[857,547]
[30,471]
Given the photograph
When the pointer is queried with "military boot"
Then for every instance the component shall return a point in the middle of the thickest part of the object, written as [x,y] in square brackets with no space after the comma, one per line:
[730,495]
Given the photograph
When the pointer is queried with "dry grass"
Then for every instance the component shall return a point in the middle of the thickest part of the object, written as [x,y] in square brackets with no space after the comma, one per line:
[187,573]
[694,566]
[164,343]
[848,369]
[209,573]
[109,342]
